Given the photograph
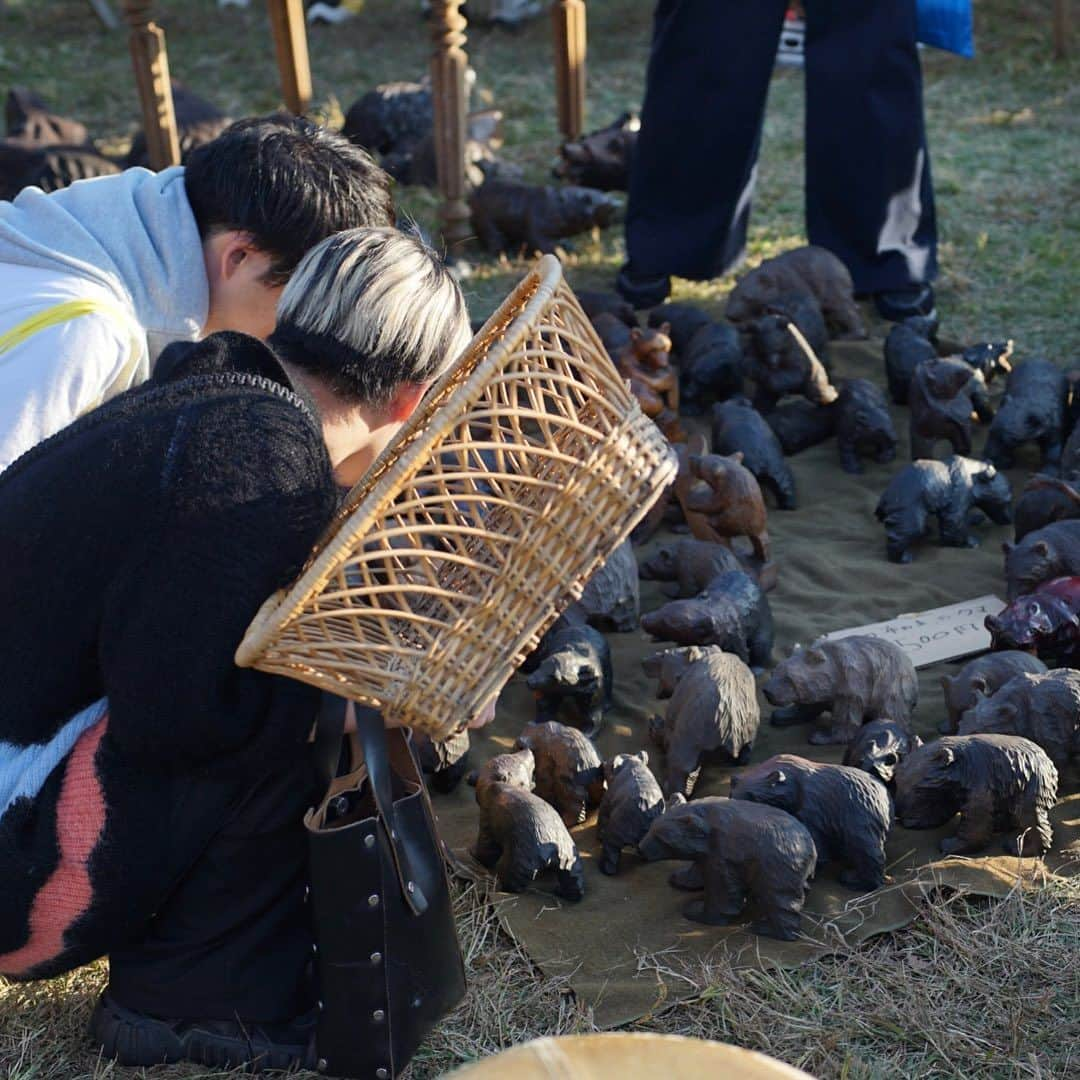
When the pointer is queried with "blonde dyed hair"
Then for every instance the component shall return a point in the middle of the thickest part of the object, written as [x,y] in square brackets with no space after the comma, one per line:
[369,309]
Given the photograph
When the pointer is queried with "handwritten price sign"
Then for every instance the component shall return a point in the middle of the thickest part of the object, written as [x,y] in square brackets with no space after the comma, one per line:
[931,637]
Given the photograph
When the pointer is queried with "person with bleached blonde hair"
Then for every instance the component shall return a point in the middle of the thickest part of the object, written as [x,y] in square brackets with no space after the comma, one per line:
[151,792]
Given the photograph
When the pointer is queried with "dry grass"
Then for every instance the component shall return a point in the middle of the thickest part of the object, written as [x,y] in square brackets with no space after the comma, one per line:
[972,988]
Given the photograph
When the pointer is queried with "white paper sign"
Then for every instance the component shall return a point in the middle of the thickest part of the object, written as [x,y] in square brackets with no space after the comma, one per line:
[931,637]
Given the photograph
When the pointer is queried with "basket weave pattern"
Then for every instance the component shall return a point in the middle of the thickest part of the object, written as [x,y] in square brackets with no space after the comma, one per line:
[523,469]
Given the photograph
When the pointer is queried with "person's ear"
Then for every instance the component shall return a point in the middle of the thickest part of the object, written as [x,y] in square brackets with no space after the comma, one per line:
[405,400]
[236,253]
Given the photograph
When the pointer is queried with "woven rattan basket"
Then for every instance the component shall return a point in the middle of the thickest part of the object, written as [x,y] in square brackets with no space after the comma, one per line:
[523,469]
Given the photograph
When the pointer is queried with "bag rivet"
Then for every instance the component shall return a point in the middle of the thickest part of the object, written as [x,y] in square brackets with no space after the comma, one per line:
[320,1005]
[382,1074]
[307,893]
[369,840]
[314,948]
[376,957]
[322,1065]
[378,1016]
[411,886]
[373,900]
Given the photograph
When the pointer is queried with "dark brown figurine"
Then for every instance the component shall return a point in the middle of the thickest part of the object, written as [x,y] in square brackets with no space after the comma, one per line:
[743,855]
[601,159]
[611,597]
[1043,708]
[444,761]
[631,803]
[1045,622]
[737,427]
[568,769]
[945,490]
[732,613]
[644,363]
[688,566]
[30,123]
[1044,500]
[799,425]
[878,747]
[1032,411]
[907,345]
[945,397]
[1050,552]
[683,320]
[573,615]
[572,684]
[727,504]
[713,713]
[520,835]
[863,425]
[782,360]
[710,366]
[509,215]
[847,811]
[981,678]
[594,303]
[997,783]
[856,679]
[808,270]
[668,666]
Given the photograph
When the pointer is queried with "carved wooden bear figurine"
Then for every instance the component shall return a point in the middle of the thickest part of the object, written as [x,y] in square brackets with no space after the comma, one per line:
[1042,708]
[631,803]
[943,397]
[572,684]
[669,665]
[1033,410]
[727,505]
[444,761]
[710,366]
[743,854]
[732,613]
[847,812]
[879,746]
[947,490]
[737,427]
[863,424]
[858,678]
[569,774]
[611,598]
[1046,621]
[713,711]
[601,159]
[997,783]
[907,345]
[1050,552]
[644,362]
[1044,500]
[520,835]
[688,566]
[982,678]
[799,425]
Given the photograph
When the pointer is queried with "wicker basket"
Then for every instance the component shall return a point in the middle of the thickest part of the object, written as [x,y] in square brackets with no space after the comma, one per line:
[522,470]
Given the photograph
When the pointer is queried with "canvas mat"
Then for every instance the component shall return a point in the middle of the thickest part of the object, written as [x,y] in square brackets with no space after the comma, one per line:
[833,575]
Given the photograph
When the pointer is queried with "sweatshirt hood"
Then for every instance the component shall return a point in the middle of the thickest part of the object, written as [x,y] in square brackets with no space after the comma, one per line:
[133,234]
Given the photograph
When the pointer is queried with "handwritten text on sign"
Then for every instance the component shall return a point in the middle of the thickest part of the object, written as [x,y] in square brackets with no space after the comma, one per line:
[930,637]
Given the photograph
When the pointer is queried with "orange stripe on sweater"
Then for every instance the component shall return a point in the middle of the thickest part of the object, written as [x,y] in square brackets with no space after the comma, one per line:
[80,821]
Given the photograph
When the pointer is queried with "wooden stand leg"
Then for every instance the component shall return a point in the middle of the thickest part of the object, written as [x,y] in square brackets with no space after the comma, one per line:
[290,40]
[568,25]
[147,44]
[448,67]
[1061,29]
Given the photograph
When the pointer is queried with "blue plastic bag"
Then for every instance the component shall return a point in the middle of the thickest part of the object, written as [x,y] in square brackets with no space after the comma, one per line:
[947,24]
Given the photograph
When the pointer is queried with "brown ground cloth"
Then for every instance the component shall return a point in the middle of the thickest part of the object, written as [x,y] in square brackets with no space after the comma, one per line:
[833,574]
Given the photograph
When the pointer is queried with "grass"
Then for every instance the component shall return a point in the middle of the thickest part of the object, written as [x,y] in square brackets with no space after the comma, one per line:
[971,989]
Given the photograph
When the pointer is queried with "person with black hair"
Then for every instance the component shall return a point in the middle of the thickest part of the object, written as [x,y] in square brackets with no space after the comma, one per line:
[151,792]
[97,278]
[869,196]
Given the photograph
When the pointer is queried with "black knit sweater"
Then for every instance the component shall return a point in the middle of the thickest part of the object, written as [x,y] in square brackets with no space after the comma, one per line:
[136,546]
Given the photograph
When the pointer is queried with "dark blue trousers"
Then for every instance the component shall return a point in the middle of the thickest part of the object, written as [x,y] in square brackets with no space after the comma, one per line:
[869,197]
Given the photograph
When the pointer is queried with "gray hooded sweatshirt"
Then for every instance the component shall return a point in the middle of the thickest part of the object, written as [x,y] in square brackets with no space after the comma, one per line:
[130,244]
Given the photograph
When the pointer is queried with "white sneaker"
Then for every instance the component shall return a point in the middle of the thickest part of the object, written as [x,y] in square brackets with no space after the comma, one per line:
[320,12]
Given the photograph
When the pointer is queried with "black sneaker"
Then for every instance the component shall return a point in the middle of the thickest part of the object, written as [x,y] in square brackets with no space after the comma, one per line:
[642,292]
[896,305]
[134,1038]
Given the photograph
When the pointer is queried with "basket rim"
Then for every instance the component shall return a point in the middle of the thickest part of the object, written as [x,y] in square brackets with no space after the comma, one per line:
[390,473]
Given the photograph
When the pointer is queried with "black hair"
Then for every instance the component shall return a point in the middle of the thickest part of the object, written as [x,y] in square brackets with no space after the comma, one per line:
[287,182]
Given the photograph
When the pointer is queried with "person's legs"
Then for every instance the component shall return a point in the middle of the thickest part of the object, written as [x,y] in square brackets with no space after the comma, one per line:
[232,944]
[869,197]
[693,172]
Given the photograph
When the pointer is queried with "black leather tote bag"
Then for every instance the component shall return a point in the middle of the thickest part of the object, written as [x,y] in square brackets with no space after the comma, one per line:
[388,962]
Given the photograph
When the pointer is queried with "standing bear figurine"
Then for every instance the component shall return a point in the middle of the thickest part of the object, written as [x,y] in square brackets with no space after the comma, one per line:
[632,802]
[847,811]
[743,855]
[944,397]
[569,774]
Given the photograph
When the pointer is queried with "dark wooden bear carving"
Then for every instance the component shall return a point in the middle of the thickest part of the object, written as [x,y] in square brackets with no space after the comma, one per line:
[1047,553]
[1044,500]
[602,158]
[572,684]
[997,783]
[863,425]
[878,747]
[982,678]
[569,774]
[631,803]
[737,427]
[944,397]
[847,811]
[1046,621]
[520,835]
[688,566]
[1033,410]
[743,855]
[726,504]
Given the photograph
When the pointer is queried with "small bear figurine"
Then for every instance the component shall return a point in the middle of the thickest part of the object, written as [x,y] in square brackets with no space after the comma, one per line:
[669,665]
[569,773]
[713,711]
[994,782]
[611,598]
[443,761]
[743,854]
[1033,410]
[1047,553]
[520,835]
[857,678]
[572,683]
[1044,500]
[737,427]
[981,678]
[878,747]
[632,801]
[1046,621]
[863,424]
[847,811]
[687,566]
[947,490]
[943,398]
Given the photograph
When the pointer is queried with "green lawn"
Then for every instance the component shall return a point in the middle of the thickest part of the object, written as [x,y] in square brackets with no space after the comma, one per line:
[971,989]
